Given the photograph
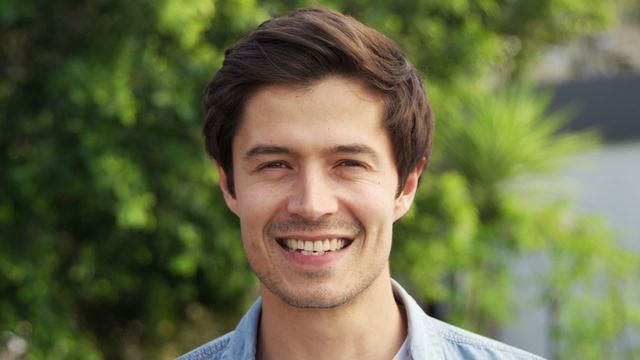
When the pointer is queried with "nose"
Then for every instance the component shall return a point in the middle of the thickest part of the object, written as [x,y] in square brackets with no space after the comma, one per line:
[312,197]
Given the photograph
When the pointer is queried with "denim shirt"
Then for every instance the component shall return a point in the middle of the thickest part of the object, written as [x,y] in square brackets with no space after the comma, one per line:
[428,338]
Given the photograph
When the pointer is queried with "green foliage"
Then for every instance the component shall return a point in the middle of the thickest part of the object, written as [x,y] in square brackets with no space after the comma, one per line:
[477,214]
[589,288]
[114,238]
[111,215]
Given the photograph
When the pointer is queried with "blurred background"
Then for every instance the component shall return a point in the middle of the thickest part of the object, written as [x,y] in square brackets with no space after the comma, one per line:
[115,242]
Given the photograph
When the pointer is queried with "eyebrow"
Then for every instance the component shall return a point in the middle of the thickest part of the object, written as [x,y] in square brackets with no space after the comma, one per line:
[265,150]
[355,149]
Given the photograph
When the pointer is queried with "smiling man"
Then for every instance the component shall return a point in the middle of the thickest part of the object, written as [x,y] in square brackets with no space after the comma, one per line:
[321,131]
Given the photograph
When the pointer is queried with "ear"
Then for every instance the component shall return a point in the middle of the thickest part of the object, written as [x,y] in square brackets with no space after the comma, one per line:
[405,199]
[229,199]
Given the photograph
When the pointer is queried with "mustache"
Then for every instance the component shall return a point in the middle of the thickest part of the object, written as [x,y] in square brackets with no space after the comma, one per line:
[303,225]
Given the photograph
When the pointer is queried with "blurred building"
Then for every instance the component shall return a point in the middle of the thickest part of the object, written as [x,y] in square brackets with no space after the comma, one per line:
[615,52]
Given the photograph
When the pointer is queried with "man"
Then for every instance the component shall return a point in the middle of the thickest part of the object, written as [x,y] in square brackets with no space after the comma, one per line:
[321,130]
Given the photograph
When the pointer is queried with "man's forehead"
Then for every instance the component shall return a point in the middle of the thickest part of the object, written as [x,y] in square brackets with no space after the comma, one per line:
[337,83]
[335,115]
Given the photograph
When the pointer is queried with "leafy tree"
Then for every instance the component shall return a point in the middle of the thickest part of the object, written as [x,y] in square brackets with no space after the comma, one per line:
[111,223]
[475,216]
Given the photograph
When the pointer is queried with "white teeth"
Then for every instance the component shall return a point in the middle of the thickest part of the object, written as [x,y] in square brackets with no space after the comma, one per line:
[318,247]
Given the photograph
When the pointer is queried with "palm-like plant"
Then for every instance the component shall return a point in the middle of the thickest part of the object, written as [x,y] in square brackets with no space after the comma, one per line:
[469,222]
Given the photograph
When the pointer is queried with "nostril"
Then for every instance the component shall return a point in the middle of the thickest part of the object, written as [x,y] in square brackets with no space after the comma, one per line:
[313,206]
[313,196]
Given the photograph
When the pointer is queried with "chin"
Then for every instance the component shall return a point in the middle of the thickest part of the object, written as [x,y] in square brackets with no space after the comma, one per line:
[320,300]
[313,294]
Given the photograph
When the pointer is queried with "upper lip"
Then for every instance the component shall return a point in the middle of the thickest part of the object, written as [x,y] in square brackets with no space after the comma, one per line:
[309,237]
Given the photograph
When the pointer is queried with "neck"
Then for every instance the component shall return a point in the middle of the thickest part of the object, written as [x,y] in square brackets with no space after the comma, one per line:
[372,326]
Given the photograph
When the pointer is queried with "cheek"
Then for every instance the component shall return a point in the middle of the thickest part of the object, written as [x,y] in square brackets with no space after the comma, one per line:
[256,207]
[374,204]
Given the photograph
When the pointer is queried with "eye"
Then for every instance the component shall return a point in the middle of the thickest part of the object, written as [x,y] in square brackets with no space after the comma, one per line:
[351,163]
[278,164]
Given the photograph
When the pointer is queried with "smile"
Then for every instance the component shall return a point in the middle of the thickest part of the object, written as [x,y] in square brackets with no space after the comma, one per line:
[314,247]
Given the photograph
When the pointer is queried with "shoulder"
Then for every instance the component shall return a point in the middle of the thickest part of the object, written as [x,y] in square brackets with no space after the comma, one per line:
[430,338]
[462,344]
[236,345]
[212,350]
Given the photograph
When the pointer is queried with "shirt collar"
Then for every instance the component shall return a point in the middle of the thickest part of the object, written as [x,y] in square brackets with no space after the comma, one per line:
[423,342]
[242,345]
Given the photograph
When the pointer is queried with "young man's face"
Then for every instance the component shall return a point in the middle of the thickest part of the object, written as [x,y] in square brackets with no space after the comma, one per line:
[315,185]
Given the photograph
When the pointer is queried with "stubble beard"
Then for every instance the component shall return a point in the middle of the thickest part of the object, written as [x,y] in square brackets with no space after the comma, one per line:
[316,295]
[319,297]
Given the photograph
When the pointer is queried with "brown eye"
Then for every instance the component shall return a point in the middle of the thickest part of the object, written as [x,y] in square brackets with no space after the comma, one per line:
[274,165]
[351,163]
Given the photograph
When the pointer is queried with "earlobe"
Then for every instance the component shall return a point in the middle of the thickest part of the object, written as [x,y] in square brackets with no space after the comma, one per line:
[229,198]
[405,199]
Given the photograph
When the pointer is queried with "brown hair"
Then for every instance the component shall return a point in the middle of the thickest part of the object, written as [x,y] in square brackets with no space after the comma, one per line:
[306,46]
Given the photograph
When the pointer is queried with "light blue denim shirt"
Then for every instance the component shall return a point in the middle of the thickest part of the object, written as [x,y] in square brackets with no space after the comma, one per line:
[428,338]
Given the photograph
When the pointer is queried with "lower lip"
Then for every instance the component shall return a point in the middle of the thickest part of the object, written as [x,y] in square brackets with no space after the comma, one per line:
[314,261]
